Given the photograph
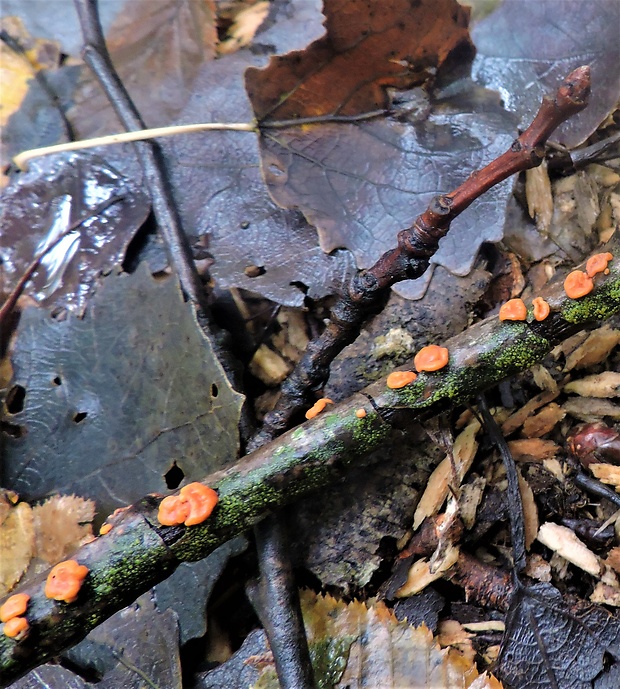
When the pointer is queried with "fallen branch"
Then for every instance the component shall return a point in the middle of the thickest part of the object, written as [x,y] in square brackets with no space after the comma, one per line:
[138,552]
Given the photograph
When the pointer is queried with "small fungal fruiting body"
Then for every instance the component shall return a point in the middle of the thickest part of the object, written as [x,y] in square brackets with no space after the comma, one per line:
[318,407]
[14,606]
[541,308]
[65,581]
[105,528]
[513,310]
[360,413]
[192,506]
[398,379]
[431,358]
[16,628]
[598,264]
[577,284]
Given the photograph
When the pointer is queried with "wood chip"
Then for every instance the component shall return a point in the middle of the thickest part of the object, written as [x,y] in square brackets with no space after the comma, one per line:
[516,420]
[544,379]
[486,626]
[544,422]
[269,366]
[607,473]
[595,349]
[469,500]
[613,559]
[420,575]
[564,542]
[590,409]
[537,568]
[533,449]
[539,196]
[436,491]
[530,512]
[606,384]
[606,594]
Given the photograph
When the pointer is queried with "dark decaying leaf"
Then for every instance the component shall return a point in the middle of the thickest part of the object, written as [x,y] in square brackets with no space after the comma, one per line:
[554,644]
[361,183]
[525,49]
[157,48]
[107,403]
[369,45]
[219,188]
[199,578]
[138,647]
[50,197]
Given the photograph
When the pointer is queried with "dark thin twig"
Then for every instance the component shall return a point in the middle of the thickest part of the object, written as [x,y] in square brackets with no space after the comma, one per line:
[11,300]
[595,487]
[513,495]
[96,56]
[369,289]
[275,598]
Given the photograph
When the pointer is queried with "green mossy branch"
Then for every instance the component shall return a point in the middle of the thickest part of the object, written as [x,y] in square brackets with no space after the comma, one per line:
[138,552]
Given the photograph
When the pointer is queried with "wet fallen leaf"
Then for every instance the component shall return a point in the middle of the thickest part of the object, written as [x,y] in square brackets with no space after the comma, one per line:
[111,396]
[17,545]
[554,644]
[524,50]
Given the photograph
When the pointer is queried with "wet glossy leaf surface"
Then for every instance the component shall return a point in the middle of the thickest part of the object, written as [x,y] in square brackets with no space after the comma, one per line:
[118,396]
[524,51]
[43,202]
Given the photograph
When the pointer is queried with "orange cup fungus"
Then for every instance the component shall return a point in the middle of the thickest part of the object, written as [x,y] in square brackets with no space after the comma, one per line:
[16,628]
[105,528]
[398,379]
[65,581]
[360,413]
[578,284]
[318,407]
[192,506]
[541,308]
[598,264]
[431,358]
[14,606]
[513,310]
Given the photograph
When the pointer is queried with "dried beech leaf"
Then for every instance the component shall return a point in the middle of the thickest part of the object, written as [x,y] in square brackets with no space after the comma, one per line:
[539,196]
[606,384]
[517,419]
[544,422]
[62,524]
[157,48]
[563,541]
[437,488]
[555,644]
[525,49]
[16,545]
[356,646]
[110,401]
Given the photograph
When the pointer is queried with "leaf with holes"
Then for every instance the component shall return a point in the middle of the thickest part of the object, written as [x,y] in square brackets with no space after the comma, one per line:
[525,49]
[108,403]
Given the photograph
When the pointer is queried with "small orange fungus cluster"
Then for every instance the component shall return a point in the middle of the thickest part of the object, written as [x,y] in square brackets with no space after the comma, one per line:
[513,310]
[398,379]
[192,506]
[65,581]
[577,284]
[431,358]
[360,413]
[105,528]
[318,407]
[598,264]
[541,308]
[11,611]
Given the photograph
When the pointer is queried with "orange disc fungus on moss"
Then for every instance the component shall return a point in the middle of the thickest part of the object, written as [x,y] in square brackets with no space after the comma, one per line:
[360,413]
[578,284]
[431,358]
[16,628]
[541,308]
[201,500]
[398,379]
[14,606]
[173,511]
[65,580]
[318,407]
[598,264]
[513,310]
[105,528]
